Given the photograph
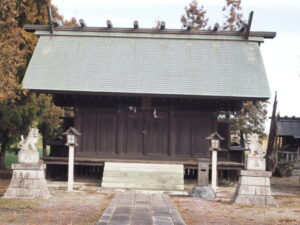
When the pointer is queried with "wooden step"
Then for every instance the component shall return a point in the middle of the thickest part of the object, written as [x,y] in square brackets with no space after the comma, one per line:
[143,176]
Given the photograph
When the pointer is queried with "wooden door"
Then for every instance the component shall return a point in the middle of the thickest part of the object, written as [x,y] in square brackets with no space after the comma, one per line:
[201,128]
[89,129]
[191,133]
[106,134]
[183,136]
[99,133]
[134,133]
[156,134]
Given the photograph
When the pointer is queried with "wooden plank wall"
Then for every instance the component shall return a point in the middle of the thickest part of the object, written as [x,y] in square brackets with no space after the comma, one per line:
[141,134]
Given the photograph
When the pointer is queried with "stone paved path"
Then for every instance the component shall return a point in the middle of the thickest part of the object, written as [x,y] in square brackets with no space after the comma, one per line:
[131,208]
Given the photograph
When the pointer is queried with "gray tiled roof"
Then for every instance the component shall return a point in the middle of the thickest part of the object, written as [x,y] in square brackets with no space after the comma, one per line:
[288,127]
[153,64]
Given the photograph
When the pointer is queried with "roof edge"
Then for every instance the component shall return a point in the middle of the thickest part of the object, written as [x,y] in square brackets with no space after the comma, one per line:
[68,92]
[264,34]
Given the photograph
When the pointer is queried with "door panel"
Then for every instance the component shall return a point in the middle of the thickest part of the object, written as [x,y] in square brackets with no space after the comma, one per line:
[201,128]
[134,133]
[106,134]
[88,129]
[156,134]
[183,136]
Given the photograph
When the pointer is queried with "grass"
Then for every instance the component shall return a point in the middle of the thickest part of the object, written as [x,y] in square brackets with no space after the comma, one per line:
[62,208]
[10,158]
[19,204]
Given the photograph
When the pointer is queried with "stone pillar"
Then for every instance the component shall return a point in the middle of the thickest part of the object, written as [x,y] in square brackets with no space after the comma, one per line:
[214,172]
[254,184]
[28,181]
[71,168]
[203,190]
[203,172]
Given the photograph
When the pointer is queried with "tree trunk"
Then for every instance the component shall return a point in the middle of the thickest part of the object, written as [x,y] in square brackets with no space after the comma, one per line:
[2,156]
[44,147]
[242,140]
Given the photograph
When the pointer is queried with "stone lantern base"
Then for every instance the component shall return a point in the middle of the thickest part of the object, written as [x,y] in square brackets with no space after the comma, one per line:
[254,188]
[28,181]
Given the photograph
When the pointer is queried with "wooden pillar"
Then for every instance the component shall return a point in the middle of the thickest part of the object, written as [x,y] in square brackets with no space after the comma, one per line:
[172,133]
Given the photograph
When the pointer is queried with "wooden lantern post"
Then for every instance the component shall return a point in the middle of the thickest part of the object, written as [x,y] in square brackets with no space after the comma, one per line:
[214,141]
[71,135]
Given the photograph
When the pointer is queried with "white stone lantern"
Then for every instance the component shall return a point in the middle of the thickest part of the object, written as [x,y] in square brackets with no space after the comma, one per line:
[71,135]
[214,141]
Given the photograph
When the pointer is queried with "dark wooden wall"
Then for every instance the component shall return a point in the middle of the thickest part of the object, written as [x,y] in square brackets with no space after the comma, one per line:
[117,132]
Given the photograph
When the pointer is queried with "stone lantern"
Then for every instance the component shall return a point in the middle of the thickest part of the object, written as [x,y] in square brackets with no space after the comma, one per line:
[71,138]
[214,143]
[72,135]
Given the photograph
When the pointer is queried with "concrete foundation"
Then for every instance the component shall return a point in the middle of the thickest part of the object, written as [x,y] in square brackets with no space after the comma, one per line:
[28,181]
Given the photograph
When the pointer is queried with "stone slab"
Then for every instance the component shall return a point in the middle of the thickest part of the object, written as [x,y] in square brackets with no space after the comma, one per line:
[143,176]
[256,163]
[254,200]
[256,173]
[28,166]
[164,180]
[253,190]
[142,209]
[28,156]
[256,181]
[155,186]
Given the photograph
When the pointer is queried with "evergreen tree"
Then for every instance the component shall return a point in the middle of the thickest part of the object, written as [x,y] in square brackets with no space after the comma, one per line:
[19,108]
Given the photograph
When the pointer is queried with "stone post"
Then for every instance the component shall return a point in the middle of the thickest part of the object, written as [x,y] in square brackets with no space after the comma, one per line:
[214,172]
[203,171]
[71,168]
[203,190]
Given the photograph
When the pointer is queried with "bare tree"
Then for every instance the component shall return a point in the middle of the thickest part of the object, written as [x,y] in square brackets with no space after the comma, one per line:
[195,16]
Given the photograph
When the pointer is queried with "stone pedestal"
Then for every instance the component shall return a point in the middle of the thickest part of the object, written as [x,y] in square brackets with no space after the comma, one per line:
[28,181]
[28,156]
[255,163]
[254,184]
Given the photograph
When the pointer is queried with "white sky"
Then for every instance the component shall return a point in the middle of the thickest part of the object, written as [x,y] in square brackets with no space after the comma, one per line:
[281,55]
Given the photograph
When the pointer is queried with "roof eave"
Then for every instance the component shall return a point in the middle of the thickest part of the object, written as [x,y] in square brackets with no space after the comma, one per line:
[264,34]
[68,92]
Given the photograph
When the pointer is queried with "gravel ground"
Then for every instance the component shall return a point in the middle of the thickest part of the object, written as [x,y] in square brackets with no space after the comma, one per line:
[86,207]
[286,192]
[81,207]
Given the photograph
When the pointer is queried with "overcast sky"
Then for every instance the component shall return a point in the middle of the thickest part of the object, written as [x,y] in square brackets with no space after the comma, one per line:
[281,55]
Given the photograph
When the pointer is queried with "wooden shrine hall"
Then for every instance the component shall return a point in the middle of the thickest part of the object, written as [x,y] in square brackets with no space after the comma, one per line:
[148,96]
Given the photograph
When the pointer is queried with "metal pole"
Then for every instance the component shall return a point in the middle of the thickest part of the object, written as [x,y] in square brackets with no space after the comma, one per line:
[214,170]
[71,168]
